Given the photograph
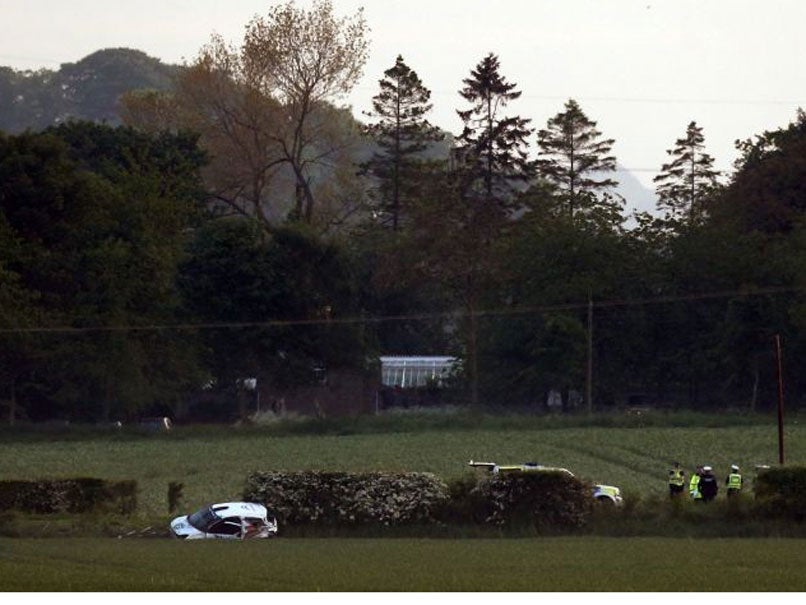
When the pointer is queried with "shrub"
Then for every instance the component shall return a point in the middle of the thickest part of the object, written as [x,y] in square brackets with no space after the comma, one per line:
[546,501]
[337,499]
[781,492]
[68,495]
[467,505]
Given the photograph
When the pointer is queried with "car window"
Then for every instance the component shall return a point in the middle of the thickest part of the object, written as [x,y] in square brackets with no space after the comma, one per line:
[203,519]
[229,526]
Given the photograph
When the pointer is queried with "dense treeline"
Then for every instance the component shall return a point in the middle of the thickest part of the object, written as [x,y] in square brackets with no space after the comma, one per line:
[238,227]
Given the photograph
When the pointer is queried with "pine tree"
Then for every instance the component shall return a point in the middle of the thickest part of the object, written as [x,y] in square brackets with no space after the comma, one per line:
[684,182]
[491,152]
[491,162]
[402,133]
[574,158]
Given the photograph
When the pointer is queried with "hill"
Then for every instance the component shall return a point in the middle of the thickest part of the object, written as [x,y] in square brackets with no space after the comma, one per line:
[639,198]
[86,90]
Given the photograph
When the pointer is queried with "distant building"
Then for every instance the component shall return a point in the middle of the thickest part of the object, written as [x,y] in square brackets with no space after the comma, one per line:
[411,372]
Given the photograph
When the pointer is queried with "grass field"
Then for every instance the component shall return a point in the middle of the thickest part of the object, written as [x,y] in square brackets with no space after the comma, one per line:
[534,565]
[212,463]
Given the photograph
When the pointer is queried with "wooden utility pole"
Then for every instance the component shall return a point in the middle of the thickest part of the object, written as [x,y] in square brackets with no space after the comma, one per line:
[589,374]
[780,400]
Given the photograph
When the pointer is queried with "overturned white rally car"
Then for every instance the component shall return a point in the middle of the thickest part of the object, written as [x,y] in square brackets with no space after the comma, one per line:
[227,521]
[602,493]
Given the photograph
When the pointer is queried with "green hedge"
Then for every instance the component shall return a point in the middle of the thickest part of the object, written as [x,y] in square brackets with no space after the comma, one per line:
[80,495]
[346,499]
[781,492]
[543,500]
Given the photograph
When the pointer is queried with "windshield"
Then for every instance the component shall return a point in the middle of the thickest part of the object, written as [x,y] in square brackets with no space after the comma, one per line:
[202,519]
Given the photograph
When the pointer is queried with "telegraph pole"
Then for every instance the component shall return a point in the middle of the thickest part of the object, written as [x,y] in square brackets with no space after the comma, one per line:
[780,400]
[589,375]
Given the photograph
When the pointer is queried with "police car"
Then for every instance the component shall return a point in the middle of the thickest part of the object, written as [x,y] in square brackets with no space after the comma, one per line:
[226,521]
[606,494]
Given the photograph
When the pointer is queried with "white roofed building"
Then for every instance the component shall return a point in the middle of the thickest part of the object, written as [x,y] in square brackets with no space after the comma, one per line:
[415,371]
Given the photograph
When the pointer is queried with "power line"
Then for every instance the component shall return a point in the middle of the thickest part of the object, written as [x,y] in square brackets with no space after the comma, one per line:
[628,99]
[514,311]
[605,99]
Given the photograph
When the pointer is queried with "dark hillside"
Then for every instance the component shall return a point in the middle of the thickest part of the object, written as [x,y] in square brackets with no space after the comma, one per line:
[86,90]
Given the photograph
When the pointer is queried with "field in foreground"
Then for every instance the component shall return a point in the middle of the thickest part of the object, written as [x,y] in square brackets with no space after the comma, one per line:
[363,565]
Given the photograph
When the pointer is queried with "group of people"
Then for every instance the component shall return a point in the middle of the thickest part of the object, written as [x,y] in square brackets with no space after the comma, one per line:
[703,485]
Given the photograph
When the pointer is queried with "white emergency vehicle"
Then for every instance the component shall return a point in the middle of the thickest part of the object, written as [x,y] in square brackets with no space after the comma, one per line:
[602,493]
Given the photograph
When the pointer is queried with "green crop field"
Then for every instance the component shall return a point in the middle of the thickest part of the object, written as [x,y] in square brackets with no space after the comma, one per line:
[534,565]
[213,463]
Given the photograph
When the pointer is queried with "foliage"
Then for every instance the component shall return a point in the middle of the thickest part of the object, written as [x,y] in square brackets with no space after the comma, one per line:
[68,495]
[279,291]
[461,224]
[491,149]
[393,284]
[544,501]
[330,498]
[781,492]
[687,180]
[97,216]
[574,159]
[402,135]
[555,270]
[280,148]
[547,501]
[766,191]
[494,266]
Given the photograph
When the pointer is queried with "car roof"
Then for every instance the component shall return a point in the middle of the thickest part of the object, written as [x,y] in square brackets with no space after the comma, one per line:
[240,509]
[534,467]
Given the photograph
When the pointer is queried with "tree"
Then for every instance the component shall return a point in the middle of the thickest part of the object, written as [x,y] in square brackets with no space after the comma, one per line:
[761,214]
[685,182]
[278,146]
[20,352]
[574,158]
[491,151]
[557,265]
[402,134]
[464,219]
[286,286]
[767,192]
[303,59]
[97,218]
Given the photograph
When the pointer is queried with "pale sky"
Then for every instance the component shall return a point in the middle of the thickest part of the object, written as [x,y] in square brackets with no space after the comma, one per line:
[641,69]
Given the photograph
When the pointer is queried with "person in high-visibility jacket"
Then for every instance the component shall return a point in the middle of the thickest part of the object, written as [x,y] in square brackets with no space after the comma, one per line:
[677,480]
[734,481]
[694,485]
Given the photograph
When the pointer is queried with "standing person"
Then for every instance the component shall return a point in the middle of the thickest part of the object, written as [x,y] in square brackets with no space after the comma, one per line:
[708,484]
[677,480]
[734,481]
[694,485]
